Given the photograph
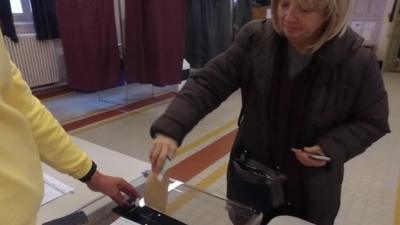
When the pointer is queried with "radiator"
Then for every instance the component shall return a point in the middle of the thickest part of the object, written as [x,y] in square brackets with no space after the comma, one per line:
[37,60]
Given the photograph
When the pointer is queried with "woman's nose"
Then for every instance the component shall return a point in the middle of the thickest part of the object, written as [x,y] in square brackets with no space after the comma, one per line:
[292,14]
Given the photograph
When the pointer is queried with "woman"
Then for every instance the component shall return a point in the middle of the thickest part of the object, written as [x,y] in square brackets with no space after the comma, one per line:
[308,87]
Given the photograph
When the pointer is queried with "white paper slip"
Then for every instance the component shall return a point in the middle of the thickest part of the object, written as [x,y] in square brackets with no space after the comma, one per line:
[54,189]
[165,168]
[50,194]
[123,221]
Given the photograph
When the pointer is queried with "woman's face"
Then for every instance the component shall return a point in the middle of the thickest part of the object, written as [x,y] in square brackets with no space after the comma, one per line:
[300,26]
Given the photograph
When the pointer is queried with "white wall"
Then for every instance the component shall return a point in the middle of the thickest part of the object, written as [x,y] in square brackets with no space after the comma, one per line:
[384,32]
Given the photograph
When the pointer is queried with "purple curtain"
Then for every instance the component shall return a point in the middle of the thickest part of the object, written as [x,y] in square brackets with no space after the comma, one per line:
[88,33]
[155,41]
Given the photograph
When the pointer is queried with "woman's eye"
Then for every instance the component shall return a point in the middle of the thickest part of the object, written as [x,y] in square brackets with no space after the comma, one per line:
[285,5]
[306,10]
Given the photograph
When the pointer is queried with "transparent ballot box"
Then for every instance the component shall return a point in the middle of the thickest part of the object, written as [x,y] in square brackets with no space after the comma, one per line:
[184,205]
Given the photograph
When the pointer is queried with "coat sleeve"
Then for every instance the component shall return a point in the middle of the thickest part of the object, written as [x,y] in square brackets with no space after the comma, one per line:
[205,90]
[53,143]
[366,122]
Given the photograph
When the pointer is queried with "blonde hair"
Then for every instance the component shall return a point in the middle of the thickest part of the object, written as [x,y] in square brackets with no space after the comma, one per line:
[336,11]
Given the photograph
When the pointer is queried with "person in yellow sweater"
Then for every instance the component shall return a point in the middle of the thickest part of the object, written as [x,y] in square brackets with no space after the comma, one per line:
[29,135]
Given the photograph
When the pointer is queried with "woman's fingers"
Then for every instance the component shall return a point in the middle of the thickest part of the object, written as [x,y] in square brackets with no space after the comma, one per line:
[161,158]
[316,149]
[163,147]
[154,153]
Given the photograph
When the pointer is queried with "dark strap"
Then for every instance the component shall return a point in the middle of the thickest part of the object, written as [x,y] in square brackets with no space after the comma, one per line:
[90,174]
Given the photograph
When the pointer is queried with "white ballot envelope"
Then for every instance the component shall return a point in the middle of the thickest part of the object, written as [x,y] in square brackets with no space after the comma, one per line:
[156,188]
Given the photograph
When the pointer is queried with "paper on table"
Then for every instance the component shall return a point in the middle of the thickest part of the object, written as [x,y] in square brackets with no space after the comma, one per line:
[54,189]
[123,221]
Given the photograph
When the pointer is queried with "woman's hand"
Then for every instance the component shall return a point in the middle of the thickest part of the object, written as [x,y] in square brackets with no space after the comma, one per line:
[113,187]
[303,155]
[163,147]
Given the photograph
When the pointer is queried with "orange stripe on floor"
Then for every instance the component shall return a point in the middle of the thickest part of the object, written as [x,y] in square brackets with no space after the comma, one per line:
[105,121]
[194,164]
[115,112]
[201,140]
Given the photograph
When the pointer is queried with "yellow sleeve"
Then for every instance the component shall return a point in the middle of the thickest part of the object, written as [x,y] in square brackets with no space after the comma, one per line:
[53,143]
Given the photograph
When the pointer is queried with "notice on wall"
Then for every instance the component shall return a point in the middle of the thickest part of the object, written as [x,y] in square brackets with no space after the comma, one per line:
[369,25]
[364,28]
[357,26]
[367,34]
[269,13]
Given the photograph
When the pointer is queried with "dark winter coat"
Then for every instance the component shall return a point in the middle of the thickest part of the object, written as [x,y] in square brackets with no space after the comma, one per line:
[346,111]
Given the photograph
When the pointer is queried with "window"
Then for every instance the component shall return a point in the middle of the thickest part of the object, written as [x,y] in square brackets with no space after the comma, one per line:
[22,13]
[16,6]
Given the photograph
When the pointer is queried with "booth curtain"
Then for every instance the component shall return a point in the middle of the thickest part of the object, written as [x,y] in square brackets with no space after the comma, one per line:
[45,19]
[88,33]
[209,30]
[7,21]
[211,27]
[155,41]
[241,14]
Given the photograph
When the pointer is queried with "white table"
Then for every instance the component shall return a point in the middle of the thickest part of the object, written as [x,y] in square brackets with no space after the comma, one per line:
[108,161]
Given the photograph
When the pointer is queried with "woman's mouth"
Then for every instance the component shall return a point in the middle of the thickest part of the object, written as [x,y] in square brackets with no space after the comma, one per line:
[292,29]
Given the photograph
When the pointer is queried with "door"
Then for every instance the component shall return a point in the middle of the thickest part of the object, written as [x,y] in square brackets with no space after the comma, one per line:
[392,60]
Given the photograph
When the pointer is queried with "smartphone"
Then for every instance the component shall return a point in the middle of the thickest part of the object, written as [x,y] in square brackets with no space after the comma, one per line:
[319,157]
[314,156]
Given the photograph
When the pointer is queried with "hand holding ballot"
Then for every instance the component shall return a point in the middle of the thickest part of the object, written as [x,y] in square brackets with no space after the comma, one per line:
[163,147]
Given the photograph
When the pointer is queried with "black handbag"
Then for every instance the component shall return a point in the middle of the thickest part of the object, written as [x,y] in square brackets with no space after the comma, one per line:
[263,184]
